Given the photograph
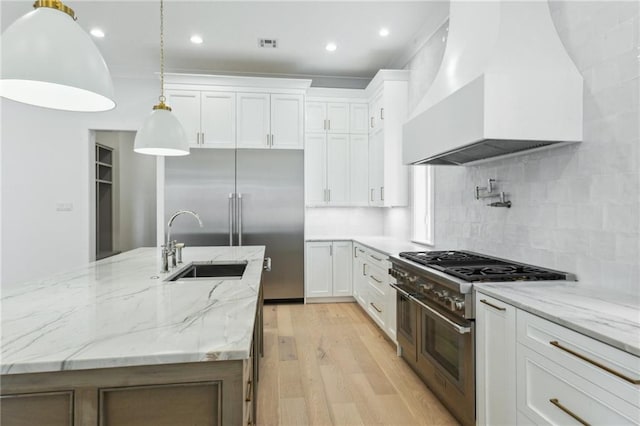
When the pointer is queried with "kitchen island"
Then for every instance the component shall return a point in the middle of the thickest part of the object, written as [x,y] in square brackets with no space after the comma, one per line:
[114,343]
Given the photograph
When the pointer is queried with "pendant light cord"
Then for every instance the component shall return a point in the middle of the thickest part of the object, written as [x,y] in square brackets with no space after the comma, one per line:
[162,98]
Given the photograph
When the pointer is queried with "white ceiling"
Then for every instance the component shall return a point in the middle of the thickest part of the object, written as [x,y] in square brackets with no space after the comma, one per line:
[231,30]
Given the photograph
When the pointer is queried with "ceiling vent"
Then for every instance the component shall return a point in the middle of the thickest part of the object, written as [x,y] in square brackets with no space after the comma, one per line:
[268,43]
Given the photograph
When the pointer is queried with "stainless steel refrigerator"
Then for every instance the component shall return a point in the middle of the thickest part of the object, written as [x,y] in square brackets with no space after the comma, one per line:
[244,197]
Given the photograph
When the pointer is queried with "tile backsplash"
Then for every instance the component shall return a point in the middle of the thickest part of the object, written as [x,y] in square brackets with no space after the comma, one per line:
[577,207]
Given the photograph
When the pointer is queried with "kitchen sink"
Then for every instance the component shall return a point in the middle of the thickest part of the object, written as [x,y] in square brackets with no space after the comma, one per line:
[212,269]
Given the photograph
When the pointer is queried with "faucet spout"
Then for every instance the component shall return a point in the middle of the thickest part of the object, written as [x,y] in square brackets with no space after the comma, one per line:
[174,216]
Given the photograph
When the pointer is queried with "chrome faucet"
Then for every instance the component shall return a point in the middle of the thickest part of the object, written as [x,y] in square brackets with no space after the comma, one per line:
[169,249]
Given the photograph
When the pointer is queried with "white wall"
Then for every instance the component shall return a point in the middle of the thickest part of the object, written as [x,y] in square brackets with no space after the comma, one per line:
[343,221]
[575,208]
[45,155]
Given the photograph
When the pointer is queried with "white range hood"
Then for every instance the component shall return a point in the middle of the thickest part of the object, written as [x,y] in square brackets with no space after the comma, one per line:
[506,85]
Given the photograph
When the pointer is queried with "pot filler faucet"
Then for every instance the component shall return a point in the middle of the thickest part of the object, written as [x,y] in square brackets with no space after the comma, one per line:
[171,247]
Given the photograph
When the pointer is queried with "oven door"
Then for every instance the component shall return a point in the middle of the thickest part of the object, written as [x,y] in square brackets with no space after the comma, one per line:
[406,324]
[446,359]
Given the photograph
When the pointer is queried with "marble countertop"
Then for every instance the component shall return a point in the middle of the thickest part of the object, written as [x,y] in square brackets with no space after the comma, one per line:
[119,312]
[605,316]
[387,245]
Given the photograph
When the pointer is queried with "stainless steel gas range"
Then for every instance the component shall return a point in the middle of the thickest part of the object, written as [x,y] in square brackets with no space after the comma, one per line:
[435,316]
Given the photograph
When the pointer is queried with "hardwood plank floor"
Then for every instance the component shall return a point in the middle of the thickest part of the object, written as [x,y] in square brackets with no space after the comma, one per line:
[329,364]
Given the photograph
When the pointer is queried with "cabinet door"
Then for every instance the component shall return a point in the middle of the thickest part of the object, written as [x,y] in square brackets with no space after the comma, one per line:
[42,409]
[376,169]
[359,169]
[338,117]
[358,118]
[318,270]
[342,282]
[495,361]
[315,117]
[185,105]
[287,121]
[375,106]
[338,169]
[359,276]
[218,113]
[253,120]
[315,169]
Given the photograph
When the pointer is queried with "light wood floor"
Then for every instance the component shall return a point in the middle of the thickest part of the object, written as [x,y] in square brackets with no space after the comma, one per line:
[329,364]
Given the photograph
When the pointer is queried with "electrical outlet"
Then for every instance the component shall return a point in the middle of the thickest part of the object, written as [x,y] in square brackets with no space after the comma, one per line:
[64,207]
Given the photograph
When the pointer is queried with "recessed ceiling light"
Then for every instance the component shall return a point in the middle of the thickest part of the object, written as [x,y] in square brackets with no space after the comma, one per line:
[331,47]
[196,39]
[383,32]
[97,32]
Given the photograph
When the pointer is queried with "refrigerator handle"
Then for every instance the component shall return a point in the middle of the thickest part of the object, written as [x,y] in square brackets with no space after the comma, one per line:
[231,219]
[239,218]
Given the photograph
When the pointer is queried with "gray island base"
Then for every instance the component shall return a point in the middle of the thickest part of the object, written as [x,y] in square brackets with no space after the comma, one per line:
[192,359]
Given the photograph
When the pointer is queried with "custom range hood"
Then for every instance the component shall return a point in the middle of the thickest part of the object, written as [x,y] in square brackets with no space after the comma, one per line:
[506,85]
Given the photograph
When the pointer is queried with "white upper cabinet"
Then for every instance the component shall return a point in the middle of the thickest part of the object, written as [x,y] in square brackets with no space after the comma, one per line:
[185,105]
[315,117]
[287,125]
[315,169]
[388,177]
[330,117]
[327,169]
[359,170]
[358,119]
[270,121]
[254,128]
[220,111]
[208,118]
[218,119]
[338,170]
[338,117]
[342,122]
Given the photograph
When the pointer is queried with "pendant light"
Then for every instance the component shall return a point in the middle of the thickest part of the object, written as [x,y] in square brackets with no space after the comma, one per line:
[161,133]
[49,61]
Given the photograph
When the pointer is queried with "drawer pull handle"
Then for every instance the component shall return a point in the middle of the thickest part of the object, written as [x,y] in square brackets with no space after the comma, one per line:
[555,402]
[596,363]
[375,279]
[492,305]
[376,258]
[375,307]
[249,392]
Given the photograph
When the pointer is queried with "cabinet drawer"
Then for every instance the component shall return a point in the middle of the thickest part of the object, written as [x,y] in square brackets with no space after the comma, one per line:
[550,394]
[378,259]
[593,360]
[376,306]
[377,277]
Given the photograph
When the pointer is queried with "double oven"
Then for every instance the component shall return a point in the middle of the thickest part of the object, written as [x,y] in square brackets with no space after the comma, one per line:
[435,317]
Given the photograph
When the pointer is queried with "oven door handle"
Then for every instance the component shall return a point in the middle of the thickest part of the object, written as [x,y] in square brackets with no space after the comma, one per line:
[460,329]
[403,292]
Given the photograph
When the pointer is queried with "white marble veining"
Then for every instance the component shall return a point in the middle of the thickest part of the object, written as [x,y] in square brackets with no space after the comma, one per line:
[612,318]
[387,245]
[119,312]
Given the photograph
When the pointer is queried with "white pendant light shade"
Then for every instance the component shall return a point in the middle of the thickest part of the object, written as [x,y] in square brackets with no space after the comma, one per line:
[48,60]
[161,134]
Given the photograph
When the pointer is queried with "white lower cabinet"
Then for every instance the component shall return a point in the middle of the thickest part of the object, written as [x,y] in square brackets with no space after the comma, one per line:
[371,287]
[561,376]
[328,269]
[360,291]
[495,361]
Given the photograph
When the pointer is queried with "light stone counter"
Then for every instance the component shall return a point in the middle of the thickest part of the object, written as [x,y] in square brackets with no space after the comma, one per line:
[605,316]
[387,245]
[119,312]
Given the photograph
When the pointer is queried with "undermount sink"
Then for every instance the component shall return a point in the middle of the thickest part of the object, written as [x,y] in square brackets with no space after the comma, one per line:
[212,269]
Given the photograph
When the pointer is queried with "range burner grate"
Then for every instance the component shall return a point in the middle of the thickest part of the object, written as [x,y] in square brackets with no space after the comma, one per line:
[476,268]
